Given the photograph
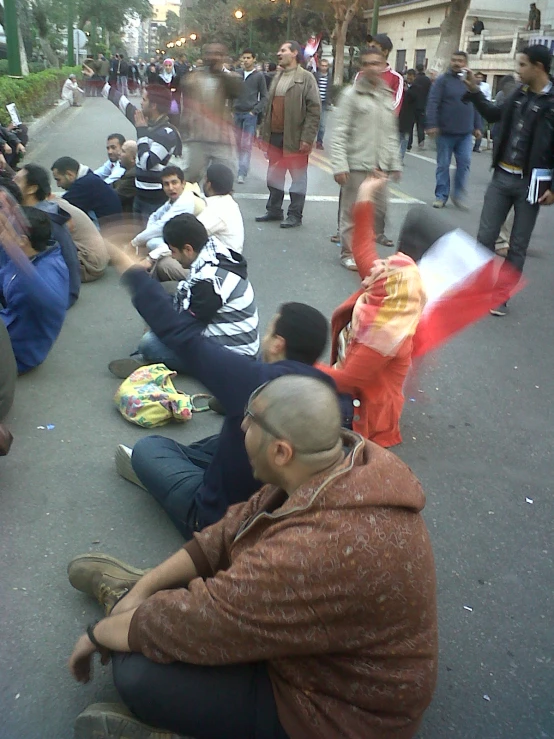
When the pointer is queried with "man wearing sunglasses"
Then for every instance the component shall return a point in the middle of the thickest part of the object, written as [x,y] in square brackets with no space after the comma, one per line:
[308,611]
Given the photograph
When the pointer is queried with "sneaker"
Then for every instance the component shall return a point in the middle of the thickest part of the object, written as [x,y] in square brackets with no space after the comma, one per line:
[124,467]
[107,720]
[439,203]
[349,262]
[122,368]
[421,147]
[240,179]
[460,204]
[102,577]
[501,310]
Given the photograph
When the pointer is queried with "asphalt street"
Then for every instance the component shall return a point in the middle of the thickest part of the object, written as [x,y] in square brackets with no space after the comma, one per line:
[477,431]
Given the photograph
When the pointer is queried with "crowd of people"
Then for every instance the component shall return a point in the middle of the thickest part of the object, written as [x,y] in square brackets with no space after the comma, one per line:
[303,603]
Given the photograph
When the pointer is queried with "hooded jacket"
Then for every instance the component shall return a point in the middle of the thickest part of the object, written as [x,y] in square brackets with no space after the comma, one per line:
[333,587]
[366,130]
[60,233]
[34,296]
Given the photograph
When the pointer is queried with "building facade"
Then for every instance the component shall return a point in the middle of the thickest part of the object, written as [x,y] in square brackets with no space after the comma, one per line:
[414,29]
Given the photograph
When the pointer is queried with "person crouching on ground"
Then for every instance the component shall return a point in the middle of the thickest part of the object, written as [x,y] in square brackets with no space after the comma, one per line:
[262,626]
[374,328]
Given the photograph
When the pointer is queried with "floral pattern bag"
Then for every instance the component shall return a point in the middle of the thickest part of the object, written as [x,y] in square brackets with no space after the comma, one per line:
[148,398]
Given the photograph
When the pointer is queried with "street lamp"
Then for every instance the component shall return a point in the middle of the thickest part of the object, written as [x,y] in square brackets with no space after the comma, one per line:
[239,15]
[193,37]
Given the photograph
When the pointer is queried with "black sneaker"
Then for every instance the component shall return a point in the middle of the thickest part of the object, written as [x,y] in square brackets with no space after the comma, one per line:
[500,310]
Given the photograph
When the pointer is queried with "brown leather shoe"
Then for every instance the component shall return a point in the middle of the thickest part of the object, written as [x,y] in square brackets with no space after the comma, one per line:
[103,577]
[105,720]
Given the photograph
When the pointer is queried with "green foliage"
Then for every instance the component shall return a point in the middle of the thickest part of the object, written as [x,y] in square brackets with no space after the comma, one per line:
[33,94]
[34,67]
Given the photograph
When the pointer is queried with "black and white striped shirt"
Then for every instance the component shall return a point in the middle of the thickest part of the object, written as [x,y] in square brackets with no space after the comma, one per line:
[155,146]
[220,295]
[322,82]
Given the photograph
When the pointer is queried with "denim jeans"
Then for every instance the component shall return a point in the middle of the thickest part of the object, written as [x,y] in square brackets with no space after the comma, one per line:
[153,350]
[172,473]
[460,146]
[245,128]
[212,702]
[321,129]
[404,141]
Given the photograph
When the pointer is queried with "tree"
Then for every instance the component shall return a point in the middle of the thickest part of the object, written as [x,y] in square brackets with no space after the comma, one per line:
[451,31]
[344,10]
[41,12]
[173,24]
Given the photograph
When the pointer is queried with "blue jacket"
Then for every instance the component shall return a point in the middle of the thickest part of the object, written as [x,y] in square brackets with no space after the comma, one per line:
[91,194]
[447,111]
[230,377]
[60,233]
[34,300]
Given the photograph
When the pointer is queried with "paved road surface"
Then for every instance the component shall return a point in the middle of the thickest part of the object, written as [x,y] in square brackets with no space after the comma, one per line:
[478,433]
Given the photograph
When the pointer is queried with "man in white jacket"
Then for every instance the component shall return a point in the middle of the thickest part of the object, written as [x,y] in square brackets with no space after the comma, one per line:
[183,197]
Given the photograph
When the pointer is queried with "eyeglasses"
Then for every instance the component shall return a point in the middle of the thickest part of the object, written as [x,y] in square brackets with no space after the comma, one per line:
[271,430]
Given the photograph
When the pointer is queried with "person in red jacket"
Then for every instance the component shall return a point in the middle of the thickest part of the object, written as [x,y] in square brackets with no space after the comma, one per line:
[373,329]
[390,77]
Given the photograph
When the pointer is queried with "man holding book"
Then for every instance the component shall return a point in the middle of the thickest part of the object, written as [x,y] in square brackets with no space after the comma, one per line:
[524,144]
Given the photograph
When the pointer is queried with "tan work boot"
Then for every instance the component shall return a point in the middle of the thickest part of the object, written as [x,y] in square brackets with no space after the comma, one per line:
[108,720]
[103,577]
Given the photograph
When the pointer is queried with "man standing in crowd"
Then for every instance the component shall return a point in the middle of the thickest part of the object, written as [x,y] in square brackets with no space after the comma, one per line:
[324,84]
[210,93]
[289,129]
[308,611]
[84,189]
[487,92]
[454,121]
[34,285]
[122,74]
[524,142]
[249,105]
[364,108]
[157,142]
[421,86]
[407,117]
[125,186]
[112,170]
[395,82]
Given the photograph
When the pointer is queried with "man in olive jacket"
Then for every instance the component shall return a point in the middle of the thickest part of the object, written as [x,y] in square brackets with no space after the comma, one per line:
[289,129]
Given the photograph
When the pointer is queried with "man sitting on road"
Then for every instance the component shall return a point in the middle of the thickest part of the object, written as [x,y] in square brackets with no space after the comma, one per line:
[216,291]
[222,217]
[182,197]
[196,484]
[84,189]
[112,170]
[34,285]
[34,184]
[125,186]
[307,611]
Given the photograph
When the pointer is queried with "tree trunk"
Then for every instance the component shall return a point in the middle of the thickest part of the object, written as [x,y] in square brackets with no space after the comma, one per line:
[23,54]
[48,52]
[451,31]
[345,10]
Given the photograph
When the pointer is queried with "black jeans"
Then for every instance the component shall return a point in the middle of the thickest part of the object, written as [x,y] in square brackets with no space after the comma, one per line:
[172,473]
[420,125]
[279,164]
[228,702]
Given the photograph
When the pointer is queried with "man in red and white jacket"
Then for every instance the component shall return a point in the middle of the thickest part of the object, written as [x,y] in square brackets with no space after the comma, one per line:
[391,77]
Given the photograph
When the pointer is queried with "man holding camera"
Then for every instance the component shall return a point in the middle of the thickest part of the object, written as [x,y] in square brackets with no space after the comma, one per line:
[453,121]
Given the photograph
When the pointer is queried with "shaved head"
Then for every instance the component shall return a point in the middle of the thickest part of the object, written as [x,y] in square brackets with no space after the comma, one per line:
[304,410]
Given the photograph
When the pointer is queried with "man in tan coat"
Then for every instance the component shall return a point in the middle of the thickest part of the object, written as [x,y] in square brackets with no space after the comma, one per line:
[289,129]
[307,612]
[365,139]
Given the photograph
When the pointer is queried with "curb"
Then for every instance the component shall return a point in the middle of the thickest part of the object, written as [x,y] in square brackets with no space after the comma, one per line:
[47,119]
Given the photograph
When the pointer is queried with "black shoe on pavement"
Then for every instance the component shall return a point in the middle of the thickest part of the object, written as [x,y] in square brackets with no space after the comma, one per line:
[501,310]
[122,368]
[291,222]
[269,217]
[215,406]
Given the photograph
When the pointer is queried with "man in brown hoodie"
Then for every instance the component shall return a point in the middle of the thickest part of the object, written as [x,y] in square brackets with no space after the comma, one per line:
[307,612]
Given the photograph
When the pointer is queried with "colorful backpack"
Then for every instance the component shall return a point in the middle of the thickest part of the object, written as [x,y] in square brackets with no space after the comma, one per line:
[148,398]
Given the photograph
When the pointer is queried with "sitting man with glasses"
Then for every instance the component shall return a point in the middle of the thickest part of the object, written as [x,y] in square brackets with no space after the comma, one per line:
[195,484]
[307,611]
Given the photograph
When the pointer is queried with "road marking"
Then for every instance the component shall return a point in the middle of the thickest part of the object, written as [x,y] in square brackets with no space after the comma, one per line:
[402,200]
[426,159]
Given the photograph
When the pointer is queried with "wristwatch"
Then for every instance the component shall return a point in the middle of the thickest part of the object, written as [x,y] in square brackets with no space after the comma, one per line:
[90,633]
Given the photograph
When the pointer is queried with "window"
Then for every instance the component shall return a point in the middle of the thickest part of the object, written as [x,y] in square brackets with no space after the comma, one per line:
[400,60]
[420,57]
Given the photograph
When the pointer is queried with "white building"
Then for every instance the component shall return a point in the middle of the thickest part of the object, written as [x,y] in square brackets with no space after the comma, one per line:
[414,29]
